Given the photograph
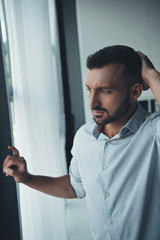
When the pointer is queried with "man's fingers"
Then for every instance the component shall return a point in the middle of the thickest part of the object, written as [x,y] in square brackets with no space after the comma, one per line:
[14,150]
[12,162]
[9,164]
[145,60]
[6,160]
[141,54]
[9,172]
[14,165]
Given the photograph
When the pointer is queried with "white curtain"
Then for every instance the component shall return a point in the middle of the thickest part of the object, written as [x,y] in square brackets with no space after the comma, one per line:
[39,126]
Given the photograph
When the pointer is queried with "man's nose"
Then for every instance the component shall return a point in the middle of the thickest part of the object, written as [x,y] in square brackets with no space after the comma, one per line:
[94,100]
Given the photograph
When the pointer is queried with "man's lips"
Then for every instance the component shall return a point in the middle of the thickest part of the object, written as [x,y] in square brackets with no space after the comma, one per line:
[98,112]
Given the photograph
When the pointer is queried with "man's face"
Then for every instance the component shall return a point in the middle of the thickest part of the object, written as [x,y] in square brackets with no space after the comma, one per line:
[108,97]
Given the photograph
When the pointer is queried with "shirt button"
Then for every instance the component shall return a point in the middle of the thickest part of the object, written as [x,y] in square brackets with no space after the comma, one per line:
[105,167]
[111,221]
[107,194]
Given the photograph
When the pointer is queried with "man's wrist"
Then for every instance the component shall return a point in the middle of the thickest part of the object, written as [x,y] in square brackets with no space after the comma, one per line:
[28,177]
[151,76]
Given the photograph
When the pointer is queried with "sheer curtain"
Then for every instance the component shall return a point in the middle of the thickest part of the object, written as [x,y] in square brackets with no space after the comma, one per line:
[39,126]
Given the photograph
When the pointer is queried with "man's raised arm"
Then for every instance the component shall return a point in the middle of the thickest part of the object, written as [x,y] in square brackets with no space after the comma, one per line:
[150,76]
[16,167]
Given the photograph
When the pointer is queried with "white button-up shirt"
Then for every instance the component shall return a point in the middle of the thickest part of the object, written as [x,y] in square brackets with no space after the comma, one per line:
[120,178]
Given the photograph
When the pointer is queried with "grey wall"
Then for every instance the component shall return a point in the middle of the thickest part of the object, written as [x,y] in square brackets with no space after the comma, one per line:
[71,72]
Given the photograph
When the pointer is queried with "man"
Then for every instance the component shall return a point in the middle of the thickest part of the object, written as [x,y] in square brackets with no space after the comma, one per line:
[116,157]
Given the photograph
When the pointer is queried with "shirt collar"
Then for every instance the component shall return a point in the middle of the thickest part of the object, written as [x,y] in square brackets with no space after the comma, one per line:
[132,125]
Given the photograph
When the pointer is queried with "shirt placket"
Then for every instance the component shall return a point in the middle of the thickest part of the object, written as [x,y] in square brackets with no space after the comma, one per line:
[106,189]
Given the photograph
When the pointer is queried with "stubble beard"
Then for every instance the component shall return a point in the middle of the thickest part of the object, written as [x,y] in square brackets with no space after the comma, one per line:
[120,112]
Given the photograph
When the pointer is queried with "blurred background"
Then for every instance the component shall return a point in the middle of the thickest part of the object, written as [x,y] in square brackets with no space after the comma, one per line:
[43,99]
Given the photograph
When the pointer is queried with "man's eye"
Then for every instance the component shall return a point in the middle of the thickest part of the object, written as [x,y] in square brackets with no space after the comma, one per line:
[88,89]
[106,91]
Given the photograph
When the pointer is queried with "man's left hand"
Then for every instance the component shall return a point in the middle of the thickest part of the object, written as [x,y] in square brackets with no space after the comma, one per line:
[147,68]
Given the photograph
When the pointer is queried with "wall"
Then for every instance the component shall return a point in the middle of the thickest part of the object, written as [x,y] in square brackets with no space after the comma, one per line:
[106,22]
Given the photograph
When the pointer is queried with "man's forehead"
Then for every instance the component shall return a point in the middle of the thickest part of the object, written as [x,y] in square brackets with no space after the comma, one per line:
[109,68]
[109,74]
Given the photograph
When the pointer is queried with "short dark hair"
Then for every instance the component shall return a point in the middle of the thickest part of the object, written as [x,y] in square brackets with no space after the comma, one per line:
[118,54]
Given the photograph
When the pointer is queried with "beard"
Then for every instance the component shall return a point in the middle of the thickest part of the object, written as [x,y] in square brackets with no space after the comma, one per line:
[120,112]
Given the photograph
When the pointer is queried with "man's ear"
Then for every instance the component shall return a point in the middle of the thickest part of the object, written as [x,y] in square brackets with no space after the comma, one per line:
[135,91]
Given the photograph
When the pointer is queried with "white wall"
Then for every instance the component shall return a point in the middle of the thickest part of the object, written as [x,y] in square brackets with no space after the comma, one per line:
[107,22]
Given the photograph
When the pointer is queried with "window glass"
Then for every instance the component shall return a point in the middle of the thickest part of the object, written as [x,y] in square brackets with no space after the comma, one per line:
[7,59]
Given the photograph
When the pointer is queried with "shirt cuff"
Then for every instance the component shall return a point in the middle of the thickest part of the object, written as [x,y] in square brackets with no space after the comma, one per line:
[77,186]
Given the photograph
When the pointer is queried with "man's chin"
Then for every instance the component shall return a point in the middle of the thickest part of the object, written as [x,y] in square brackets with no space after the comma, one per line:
[103,121]
[99,120]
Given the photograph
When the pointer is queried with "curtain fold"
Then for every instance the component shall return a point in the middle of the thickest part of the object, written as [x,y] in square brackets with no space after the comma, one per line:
[39,120]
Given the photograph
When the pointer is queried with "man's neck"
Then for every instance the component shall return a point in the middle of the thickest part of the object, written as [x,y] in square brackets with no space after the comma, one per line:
[115,127]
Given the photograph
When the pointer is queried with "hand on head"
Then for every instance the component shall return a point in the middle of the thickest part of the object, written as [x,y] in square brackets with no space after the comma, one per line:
[147,66]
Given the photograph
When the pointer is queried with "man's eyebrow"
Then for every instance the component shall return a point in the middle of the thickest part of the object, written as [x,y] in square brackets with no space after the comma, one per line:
[103,87]
[107,88]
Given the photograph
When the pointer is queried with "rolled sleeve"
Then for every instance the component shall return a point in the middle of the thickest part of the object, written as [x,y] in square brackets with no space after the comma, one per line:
[76,180]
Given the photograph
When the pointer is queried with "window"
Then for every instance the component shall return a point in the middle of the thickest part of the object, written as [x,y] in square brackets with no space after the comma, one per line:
[7,59]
